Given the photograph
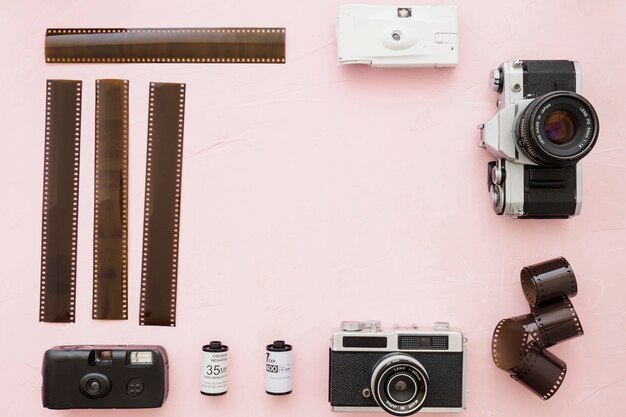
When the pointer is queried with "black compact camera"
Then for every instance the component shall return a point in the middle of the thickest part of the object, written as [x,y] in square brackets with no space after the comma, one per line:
[400,371]
[542,130]
[104,376]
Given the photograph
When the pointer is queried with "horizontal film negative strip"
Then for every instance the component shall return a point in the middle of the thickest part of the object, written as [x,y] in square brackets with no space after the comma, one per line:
[519,343]
[159,45]
[110,229]
[159,267]
[59,230]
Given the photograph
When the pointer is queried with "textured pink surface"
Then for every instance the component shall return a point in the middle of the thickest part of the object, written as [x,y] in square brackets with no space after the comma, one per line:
[314,194]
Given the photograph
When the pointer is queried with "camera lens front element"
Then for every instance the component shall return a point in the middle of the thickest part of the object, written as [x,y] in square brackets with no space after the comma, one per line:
[399,384]
[559,128]
[402,388]
[95,385]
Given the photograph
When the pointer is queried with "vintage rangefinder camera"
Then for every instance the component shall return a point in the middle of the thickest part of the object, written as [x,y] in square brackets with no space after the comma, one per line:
[542,130]
[400,371]
[104,376]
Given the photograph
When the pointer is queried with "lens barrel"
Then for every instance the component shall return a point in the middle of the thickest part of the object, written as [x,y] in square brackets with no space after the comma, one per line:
[559,128]
[399,384]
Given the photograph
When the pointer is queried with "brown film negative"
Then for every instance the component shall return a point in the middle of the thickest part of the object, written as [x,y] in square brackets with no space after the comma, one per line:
[556,322]
[163,45]
[549,280]
[159,268]
[110,230]
[519,343]
[540,371]
[59,230]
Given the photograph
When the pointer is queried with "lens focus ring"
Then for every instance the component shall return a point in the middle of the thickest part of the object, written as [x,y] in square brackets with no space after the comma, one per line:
[559,128]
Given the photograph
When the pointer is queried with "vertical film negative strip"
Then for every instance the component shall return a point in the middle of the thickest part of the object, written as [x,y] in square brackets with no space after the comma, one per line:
[236,45]
[519,343]
[110,230]
[159,267]
[59,230]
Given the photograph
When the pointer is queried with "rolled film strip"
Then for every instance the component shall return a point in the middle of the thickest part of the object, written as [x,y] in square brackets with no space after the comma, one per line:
[59,230]
[110,230]
[519,343]
[159,268]
[166,45]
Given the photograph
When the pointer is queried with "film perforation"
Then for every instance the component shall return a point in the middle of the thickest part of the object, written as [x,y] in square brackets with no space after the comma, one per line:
[162,204]
[547,287]
[96,213]
[44,233]
[146,229]
[125,199]
[177,45]
[57,301]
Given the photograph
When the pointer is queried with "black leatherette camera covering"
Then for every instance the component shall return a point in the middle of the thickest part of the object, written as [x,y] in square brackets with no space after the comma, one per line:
[350,373]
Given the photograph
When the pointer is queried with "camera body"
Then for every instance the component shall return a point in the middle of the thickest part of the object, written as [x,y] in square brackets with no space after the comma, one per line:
[400,371]
[541,131]
[398,36]
[104,376]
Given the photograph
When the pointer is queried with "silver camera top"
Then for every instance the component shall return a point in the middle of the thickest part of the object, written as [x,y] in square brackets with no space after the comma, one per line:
[508,81]
[369,335]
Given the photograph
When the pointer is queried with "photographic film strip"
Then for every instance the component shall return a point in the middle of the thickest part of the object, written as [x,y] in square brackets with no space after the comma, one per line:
[519,343]
[59,230]
[166,45]
[110,230]
[159,267]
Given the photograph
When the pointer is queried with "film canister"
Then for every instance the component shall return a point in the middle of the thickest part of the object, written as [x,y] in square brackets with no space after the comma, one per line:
[278,368]
[214,378]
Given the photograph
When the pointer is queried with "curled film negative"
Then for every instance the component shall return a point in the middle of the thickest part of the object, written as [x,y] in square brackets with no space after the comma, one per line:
[164,161]
[158,45]
[110,231]
[59,230]
[519,343]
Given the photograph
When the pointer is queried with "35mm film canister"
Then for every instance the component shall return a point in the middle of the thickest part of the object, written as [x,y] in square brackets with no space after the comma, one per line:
[278,368]
[214,378]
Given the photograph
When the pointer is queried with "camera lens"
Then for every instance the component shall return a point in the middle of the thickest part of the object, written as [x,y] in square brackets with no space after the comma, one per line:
[95,385]
[559,128]
[401,388]
[399,384]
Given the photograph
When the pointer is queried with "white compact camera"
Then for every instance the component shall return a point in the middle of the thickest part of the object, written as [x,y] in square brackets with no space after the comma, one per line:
[398,36]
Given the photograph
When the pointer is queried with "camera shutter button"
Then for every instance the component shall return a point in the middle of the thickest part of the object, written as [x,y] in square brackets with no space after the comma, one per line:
[351,326]
[134,387]
[442,326]
[373,325]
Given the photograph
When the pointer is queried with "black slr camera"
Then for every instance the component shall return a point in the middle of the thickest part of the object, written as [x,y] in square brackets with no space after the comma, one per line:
[542,130]
[117,376]
[400,371]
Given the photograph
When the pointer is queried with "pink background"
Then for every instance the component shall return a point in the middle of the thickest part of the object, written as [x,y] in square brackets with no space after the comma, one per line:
[314,193]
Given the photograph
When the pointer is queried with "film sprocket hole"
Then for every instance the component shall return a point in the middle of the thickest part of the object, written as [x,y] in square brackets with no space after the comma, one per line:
[104,376]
